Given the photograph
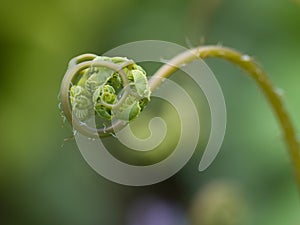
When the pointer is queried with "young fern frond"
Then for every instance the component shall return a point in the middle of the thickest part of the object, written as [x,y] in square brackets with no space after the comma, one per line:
[112,88]
[117,87]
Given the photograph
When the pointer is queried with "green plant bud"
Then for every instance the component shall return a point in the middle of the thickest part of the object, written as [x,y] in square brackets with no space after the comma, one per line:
[99,87]
[105,93]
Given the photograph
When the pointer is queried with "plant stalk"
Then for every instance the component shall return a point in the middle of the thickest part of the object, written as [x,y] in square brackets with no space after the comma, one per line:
[256,73]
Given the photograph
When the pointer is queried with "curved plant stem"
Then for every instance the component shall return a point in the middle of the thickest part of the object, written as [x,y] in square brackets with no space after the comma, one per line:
[255,72]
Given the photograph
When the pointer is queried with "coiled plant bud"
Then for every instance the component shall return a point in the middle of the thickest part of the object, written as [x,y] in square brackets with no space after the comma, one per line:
[111,88]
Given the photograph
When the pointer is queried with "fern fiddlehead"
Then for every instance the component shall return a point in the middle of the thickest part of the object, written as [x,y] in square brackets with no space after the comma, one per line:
[118,88]
[113,88]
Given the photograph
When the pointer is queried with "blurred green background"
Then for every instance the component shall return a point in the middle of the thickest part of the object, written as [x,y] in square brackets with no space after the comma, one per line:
[45,180]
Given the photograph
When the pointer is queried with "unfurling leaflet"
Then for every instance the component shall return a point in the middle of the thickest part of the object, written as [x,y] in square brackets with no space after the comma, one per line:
[102,90]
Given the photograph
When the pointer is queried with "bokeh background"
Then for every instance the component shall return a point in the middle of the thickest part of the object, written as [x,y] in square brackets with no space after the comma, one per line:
[45,180]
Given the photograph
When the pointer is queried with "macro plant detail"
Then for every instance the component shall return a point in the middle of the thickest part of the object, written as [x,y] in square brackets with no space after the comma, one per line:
[150,112]
[117,88]
[111,88]
[98,89]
